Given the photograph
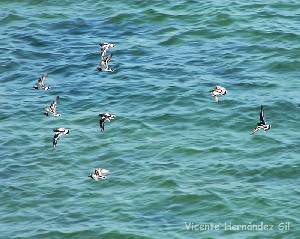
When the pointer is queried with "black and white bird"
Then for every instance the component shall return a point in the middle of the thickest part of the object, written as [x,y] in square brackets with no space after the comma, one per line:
[99,173]
[262,123]
[104,47]
[40,84]
[218,91]
[103,65]
[52,108]
[58,132]
[105,117]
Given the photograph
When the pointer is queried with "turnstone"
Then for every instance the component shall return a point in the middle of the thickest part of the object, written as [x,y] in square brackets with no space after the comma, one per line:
[103,65]
[58,132]
[99,173]
[104,47]
[105,117]
[52,108]
[262,124]
[219,90]
[40,84]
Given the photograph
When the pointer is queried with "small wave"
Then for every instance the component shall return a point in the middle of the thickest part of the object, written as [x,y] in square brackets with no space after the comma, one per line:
[284,66]
[117,234]
[120,18]
[155,16]
[11,18]
[174,40]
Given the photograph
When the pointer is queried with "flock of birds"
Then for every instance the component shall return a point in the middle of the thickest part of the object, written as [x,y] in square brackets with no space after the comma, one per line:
[219,91]
[100,173]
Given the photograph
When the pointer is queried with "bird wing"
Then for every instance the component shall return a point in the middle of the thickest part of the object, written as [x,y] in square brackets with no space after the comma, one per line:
[262,115]
[40,82]
[59,130]
[101,123]
[103,64]
[56,138]
[102,51]
[255,130]
[108,58]
[54,104]
[53,107]
[43,78]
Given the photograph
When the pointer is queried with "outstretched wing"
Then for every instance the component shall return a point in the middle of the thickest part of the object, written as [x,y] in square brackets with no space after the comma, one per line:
[42,79]
[101,123]
[103,51]
[103,64]
[107,58]
[53,107]
[262,115]
[56,138]
[59,130]
[255,130]
[40,82]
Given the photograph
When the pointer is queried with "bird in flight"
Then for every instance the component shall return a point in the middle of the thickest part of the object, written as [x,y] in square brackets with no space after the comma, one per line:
[58,132]
[104,47]
[105,117]
[218,91]
[52,108]
[103,65]
[262,123]
[40,84]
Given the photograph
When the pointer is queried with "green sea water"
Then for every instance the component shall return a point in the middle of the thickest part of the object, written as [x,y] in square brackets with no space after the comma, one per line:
[178,160]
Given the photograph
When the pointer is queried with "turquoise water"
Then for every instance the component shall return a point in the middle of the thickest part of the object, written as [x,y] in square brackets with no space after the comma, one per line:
[176,157]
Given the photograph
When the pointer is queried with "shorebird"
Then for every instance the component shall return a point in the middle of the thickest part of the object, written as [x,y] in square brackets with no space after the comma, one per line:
[58,132]
[103,65]
[99,173]
[105,117]
[104,47]
[219,90]
[52,108]
[40,84]
[262,124]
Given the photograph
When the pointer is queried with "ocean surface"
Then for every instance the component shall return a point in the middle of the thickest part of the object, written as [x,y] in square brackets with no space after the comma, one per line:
[176,157]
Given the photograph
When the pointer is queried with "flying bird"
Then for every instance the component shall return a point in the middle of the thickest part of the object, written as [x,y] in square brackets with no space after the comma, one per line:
[105,117]
[40,84]
[218,91]
[58,132]
[262,123]
[99,173]
[103,65]
[104,47]
[52,108]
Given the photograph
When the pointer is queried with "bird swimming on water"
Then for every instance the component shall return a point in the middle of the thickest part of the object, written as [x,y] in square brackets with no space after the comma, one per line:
[218,91]
[58,132]
[105,117]
[40,84]
[262,123]
[104,47]
[52,108]
[99,173]
[103,65]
